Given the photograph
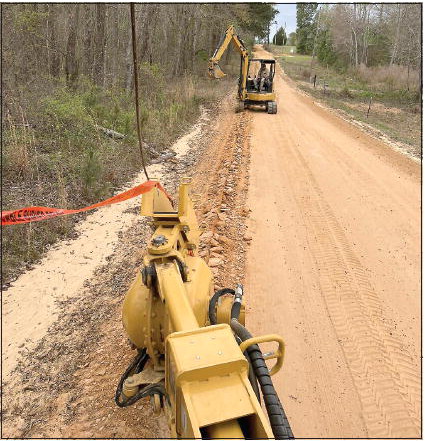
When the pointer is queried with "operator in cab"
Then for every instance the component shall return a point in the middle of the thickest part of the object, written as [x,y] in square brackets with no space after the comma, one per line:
[262,76]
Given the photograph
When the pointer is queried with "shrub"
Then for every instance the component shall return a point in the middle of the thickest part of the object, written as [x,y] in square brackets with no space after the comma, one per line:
[345,92]
[91,172]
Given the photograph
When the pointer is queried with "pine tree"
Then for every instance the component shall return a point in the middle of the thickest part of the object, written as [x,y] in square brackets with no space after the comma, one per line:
[280,37]
[306,25]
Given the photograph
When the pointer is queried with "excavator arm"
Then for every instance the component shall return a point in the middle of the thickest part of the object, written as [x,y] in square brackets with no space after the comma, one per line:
[214,69]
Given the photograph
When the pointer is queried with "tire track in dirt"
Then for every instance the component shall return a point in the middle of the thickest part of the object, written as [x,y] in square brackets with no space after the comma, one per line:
[334,267]
[384,374]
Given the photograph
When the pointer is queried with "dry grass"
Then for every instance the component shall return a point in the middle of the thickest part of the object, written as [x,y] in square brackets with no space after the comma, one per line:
[53,155]
[389,78]
[395,92]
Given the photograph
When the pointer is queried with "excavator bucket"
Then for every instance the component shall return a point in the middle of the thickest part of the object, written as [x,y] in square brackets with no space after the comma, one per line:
[214,71]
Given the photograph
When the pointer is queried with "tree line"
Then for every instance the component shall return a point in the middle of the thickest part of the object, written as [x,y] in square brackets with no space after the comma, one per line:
[67,85]
[94,40]
[355,34]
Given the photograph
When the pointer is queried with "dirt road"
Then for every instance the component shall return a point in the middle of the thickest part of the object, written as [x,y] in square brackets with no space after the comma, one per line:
[334,267]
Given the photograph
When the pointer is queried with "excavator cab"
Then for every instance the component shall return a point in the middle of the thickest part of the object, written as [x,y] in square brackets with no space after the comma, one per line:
[252,90]
[260,90]
[254,82]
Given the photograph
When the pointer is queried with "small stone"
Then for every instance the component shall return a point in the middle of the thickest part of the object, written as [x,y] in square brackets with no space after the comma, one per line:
[225,240]
[247,237]
[210,215]
[215,242]
[207,236]
[101,371]
[216,249]
[214,261]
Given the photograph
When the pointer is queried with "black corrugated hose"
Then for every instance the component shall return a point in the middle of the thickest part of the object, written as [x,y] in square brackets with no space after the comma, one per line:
[277,417]
[278,420]
[213,321]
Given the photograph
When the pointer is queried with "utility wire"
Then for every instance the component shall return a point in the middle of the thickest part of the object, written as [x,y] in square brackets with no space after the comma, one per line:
[136,86]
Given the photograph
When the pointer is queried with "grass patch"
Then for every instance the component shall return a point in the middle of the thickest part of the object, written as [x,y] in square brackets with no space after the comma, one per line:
[395,109]
[56,154]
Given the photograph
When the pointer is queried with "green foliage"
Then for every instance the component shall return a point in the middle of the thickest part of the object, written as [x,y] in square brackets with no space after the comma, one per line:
[29,20]
[292,39]
[67,119]
[325,52]
[280,38]
[68,108]
[306,27]
[152,71]
[258,19]
[379,47]
[91,173]
[202,55]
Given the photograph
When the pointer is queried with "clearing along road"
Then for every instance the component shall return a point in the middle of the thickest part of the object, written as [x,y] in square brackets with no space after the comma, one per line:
[334,267]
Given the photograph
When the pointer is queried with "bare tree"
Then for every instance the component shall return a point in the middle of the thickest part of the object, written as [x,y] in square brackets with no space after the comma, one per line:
[71,62]
[100,43]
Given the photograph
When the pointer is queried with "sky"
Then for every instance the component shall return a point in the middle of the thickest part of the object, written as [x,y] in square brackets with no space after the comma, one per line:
[288,14]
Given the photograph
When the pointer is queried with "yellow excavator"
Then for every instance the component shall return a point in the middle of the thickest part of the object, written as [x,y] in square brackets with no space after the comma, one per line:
[256,90]
[195,358]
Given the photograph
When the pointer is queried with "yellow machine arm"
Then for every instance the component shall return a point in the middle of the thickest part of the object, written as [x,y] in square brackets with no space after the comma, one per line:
[214,69]
[195,358]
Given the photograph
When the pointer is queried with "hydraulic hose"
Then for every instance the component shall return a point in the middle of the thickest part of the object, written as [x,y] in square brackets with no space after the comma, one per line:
[251,374]
[236,308]
[237,303]
[135,367]
[213,302]
[278,420]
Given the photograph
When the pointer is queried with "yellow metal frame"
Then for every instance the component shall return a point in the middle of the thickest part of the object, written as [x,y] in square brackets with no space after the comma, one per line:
[165,311]
[260,97]
[215,71]
[207,379]
[279,354]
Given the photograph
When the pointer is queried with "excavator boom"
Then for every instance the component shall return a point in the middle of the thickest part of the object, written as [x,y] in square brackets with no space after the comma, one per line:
[257,91]
[214,70]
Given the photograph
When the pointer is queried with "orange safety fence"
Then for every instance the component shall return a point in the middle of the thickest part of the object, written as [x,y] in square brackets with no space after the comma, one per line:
[33,214]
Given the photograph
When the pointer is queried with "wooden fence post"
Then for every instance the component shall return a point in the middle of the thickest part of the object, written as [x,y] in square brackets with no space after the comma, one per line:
[368,110]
